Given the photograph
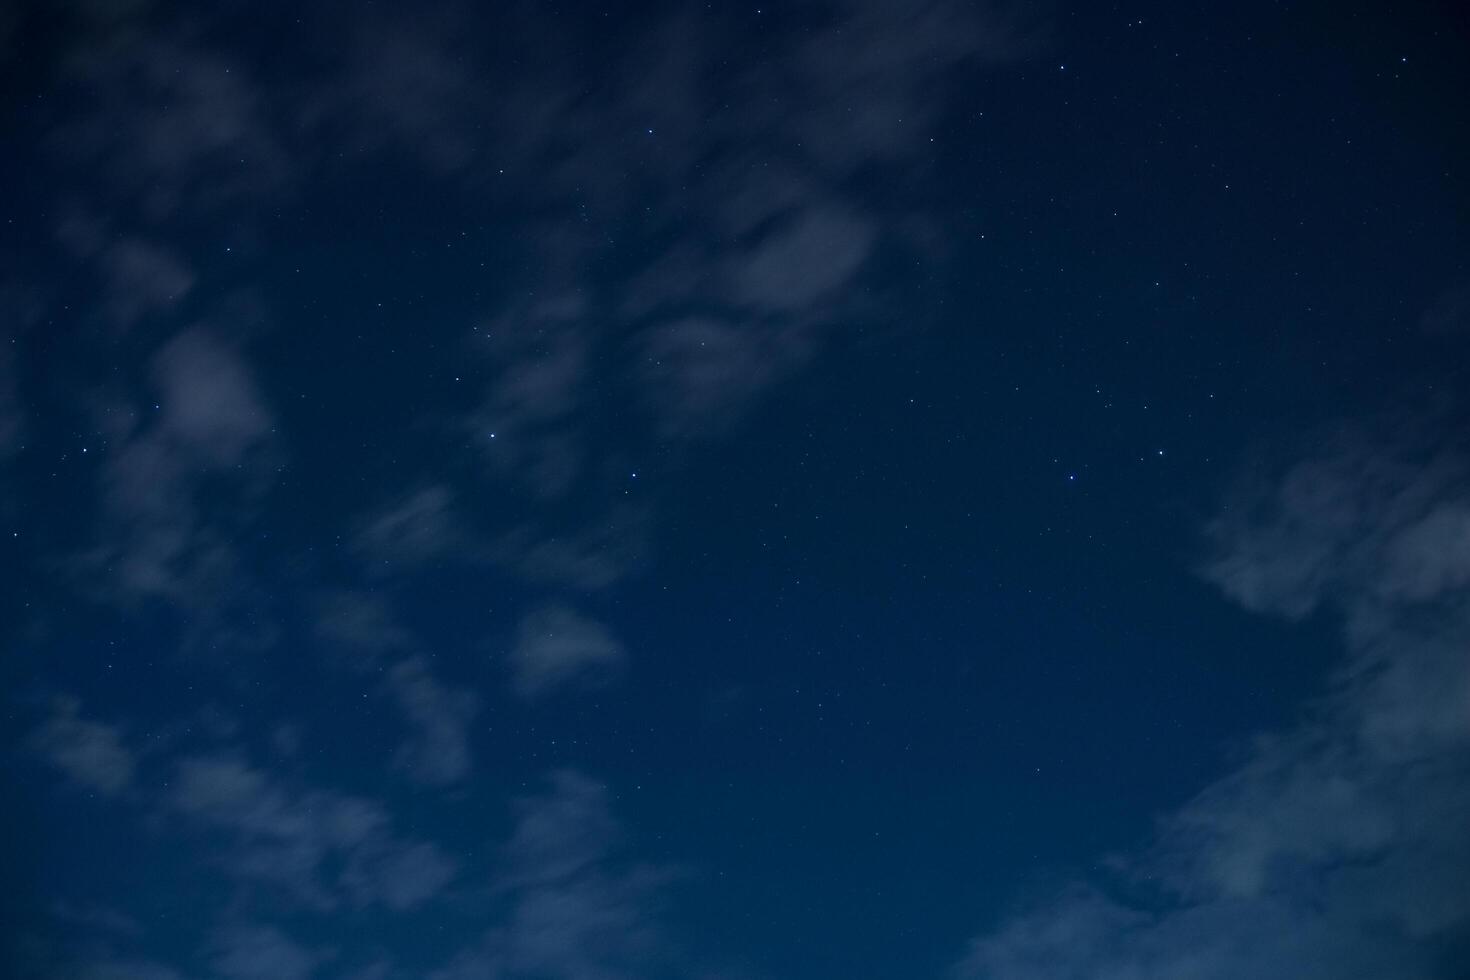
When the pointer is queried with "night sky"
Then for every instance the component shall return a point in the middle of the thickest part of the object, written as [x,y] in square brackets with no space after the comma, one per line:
[850,489]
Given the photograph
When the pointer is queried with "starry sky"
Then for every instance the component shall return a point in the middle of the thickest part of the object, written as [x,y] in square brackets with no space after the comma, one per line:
[938,489]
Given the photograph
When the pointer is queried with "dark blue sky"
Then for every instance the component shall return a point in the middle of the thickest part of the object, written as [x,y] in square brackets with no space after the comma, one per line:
[839,489]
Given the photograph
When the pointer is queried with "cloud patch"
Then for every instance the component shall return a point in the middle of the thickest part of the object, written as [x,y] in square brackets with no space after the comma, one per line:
[1337,847]
[438,752]
[90,753]
[576,909]
[318,847]
[557,646]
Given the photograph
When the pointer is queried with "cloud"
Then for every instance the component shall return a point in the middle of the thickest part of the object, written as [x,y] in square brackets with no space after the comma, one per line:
[863,88]
[817,251]
[739,180]
[576,912]
[208,421]
[527,428]
[403,87]
[1449,314]
[142,278]
[362,622]
[321,848]
[437,750]
[1357,526]
[23,311]
[702,372]
[90,753]
[556,646]
[249,951]
[418,528]
[123,969]
[1337,847]
[139,276]
[209,398]
[591,556]
[562,833]
[438,753]
[175,126]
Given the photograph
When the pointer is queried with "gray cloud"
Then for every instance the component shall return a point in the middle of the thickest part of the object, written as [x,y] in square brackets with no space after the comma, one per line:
[701,373]
[176,125]
[759,241]
[1337,847]
[209,420]
[527,429]
[863,88]
[1356,526]
[437,749]
[438,752]
[588,556]
[11,420]
[138,275]
[556,645]
[562,833]
[89,752]
[320,847]
[817,251]
[400,86]
[1449,314]
[23,309]
[122,969]
[576,912]
[142,278]
[415,529]
[250,951]
[209,398]
[362,622]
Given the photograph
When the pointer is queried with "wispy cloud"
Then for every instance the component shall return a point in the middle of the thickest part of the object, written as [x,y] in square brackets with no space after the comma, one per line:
[177,124]
[206,418]
[577,910]
[12,418]
[318,847]
[1337,847]
[362,624]
[417,528]
[438,751]
[137,276]
[251,951]
[91,753]
[557,646]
